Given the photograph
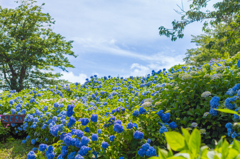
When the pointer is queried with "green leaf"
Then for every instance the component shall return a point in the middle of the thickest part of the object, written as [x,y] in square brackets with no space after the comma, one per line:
[163,154]
[227,111]
[225,149]
[195,142]
[232,154]
[175,140]
[186,134]
[236,145]
[186,155]
[177,157]
[154,157]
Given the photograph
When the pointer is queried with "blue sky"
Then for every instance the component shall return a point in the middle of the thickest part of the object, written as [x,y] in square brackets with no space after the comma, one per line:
[119,37]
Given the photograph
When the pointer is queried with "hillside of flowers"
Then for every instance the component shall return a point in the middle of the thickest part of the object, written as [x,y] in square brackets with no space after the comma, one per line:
[116,117]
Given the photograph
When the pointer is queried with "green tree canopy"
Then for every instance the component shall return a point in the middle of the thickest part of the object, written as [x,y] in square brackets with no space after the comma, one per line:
[221,42]
[29,49]
[225,11]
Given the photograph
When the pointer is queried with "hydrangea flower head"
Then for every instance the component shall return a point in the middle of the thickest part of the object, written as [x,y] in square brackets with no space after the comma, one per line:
[151,152]
[105,145]
[111,138]
[84,121]
[214,102]
[94,137]
[138,135]
[173,125]
[31,155]
[94,117]
[163,129]
[42,147]
[135,113]
[213,112]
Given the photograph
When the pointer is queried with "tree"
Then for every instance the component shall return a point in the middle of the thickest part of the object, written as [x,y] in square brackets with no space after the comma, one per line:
[225,11]
[29,49]
[221,42]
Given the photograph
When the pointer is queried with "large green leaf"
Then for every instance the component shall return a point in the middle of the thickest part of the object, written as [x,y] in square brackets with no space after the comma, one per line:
[175,140]
[227,111]
[236,145]
[195,142]
[232,154]
[186,134]
[162,153]
[177,157]
[225,149]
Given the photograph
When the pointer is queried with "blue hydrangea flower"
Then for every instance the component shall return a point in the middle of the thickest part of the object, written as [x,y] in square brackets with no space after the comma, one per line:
[118,122]
[130,125]
[49,153]
[141,152]
[118,128]
[213,112]
[84,150]
[228,103]
[238,63]
[160,113]
[228,125]
[33,141]
[77,132]
[34,149]
[70,111]
[31,155]
[94,117]
[99,131]
[149,141]
[87,129]
[114,111]
[111,138]
[163,129]
[67,140]
[145,146]
[64,151]
[105,145]
[71,122]
[151,152]
[173,125]
[234,134]
[135,125]
[142,110]
[42,147]
[84,121]
[165,117]
[78,156]
[71,155]
[84,140]
[138,135]
[135,113]
[214,102]
[60,157]
[94,137]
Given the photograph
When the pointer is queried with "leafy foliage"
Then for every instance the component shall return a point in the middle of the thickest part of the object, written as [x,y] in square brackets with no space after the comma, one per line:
[191,148]
[29,49]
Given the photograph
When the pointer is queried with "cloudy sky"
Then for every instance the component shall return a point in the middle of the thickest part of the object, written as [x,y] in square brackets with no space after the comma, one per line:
[119,37]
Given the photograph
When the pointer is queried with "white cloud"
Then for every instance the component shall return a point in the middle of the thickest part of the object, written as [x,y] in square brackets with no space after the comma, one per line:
[72,78]
[139,70]
[101,46]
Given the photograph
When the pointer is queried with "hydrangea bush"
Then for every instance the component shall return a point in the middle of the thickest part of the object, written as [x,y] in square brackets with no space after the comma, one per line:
[120,117]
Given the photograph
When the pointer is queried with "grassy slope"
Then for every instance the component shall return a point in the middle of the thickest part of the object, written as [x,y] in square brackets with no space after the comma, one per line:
[14,149]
